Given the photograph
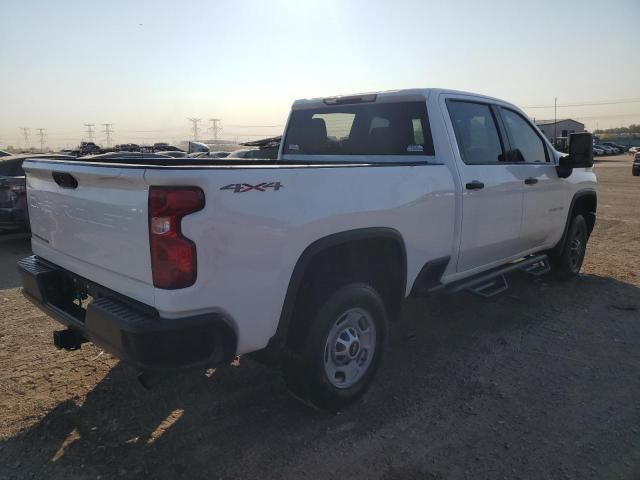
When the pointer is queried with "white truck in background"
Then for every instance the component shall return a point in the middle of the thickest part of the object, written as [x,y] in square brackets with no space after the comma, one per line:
[305,260]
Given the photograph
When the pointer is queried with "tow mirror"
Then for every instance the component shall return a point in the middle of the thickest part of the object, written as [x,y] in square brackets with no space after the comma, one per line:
[580,154]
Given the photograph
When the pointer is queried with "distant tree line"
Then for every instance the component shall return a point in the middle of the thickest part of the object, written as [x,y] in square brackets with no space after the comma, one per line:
[630,129]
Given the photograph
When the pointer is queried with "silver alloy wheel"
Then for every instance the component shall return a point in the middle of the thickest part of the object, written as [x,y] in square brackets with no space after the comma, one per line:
[350,347]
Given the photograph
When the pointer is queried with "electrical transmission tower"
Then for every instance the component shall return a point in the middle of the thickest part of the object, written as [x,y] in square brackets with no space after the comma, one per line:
[25,136]
[107,132]
[215,127]
[90,131]
[194,127]
[41,133]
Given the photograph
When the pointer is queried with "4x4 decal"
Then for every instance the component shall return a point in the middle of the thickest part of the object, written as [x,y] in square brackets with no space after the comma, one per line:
[247,187]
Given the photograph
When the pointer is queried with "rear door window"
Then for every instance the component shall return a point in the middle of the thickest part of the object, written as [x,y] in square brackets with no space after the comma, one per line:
[476,132]
[361,129]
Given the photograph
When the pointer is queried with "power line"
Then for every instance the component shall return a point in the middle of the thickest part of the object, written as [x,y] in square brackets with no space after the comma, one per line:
[107,131]
[588,104]
[25,136]
[194,127]
[41,134]
[598,117]
[215,127]
[90,130]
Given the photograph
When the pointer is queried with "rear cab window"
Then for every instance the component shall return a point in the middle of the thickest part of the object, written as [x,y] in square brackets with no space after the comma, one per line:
[398,129]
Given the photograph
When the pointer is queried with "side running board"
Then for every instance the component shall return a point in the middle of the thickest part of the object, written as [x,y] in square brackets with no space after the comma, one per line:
[493,282]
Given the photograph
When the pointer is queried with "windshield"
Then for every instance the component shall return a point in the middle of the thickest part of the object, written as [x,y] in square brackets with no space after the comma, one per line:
[361,129]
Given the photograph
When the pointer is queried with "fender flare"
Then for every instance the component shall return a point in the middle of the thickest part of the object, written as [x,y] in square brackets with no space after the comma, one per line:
[276,343]
[588,192]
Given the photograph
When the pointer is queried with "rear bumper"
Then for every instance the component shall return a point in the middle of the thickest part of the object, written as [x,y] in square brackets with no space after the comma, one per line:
[129,330]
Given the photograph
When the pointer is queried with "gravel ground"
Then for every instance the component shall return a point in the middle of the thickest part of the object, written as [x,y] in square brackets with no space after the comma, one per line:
[540,382]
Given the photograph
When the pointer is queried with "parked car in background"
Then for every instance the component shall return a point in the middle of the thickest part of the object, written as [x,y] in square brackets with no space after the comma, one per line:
[4,154]
[635,169]
[634,149]
[266,148]
[251,153]
[89,148]
[201,150]
[165,147]
[617,148]
[607,149]
[14,214]
[597,151]
[127,147]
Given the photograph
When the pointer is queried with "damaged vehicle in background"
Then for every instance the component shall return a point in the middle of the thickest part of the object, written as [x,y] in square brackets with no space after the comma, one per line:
[14,214]
[202,150]
[266,148]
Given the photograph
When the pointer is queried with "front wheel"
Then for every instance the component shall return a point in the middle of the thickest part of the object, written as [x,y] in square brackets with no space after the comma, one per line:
[568,264]
[339,350]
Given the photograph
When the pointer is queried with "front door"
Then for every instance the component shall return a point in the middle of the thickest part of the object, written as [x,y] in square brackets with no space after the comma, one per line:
[544,205]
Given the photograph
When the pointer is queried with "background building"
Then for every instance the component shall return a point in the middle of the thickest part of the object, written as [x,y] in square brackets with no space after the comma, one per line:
[559,128]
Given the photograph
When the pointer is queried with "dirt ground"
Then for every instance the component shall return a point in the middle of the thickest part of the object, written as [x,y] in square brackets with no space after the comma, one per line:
[541,382]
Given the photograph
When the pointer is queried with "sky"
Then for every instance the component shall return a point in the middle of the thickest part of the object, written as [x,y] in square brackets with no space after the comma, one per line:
[146,66]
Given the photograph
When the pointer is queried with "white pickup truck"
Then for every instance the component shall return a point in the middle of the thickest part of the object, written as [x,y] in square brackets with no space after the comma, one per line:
[306,259]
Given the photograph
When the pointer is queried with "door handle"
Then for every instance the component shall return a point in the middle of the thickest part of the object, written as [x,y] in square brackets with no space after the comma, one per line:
[475,185]
[531,181]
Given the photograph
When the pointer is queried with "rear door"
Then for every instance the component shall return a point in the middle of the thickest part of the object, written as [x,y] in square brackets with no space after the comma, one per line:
[492,192]
[544,208]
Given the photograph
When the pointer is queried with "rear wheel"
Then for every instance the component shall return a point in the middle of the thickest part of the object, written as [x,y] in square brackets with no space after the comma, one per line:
[338,352]
[568,264]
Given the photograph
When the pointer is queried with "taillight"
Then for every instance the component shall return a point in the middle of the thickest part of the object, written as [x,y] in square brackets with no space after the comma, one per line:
[173,256]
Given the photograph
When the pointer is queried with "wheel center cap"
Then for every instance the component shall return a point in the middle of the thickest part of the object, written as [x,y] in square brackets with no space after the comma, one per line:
[353,349]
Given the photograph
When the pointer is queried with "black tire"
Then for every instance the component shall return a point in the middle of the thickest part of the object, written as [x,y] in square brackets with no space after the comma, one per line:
[304,369]
[568,264]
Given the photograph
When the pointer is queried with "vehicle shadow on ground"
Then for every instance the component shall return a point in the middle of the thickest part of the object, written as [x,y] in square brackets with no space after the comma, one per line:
[13,247]
[456,367]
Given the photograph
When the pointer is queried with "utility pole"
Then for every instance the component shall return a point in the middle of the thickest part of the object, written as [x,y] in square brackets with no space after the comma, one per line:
[41,134]
[555,121]
[194,127]
[90,130]
[25,136]
[215,127]
[107,131]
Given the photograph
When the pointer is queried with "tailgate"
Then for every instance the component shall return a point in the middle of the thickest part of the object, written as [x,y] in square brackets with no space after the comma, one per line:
[92,220]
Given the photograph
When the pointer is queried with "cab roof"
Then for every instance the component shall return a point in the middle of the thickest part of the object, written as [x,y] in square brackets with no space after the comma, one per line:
[410,94]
